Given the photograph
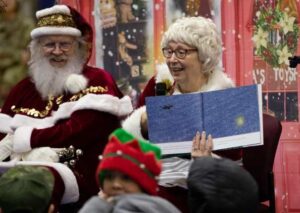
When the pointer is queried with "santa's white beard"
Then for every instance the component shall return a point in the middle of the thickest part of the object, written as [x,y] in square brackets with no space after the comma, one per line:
[51,80]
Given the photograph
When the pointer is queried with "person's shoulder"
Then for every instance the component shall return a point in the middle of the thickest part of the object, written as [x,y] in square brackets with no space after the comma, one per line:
[97,73]
[21,90]
[24,84]
[89,68]
[100,77]
[95,204]
[218,80]
[144,203]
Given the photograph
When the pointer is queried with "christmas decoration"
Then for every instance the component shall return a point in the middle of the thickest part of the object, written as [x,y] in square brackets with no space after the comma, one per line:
[275,35]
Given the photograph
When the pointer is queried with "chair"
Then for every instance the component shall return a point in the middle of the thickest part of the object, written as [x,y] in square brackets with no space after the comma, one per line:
[259,161]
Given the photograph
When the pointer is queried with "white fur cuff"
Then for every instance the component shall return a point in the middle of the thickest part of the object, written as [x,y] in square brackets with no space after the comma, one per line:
[4,123]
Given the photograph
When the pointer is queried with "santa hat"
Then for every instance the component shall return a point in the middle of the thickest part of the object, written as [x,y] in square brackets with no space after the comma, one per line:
[138,159]
[33,186]
[56,20]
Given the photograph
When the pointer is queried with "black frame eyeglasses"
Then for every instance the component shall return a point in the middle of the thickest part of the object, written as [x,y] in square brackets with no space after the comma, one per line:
[179,53]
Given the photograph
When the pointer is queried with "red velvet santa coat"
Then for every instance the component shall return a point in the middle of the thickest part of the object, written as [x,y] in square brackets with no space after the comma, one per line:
[84,120]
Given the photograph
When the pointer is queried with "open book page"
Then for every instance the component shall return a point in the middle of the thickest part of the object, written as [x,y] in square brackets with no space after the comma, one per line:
[233,117]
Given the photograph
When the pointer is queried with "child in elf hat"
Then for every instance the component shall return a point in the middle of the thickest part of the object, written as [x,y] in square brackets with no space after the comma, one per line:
[127,175]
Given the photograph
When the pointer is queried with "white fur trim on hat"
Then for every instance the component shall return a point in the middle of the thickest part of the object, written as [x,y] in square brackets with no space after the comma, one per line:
[42,31]
[22,139]
[60,9]
[75,83]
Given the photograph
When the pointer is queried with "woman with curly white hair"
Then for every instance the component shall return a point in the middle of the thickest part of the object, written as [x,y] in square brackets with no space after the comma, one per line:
[192,48]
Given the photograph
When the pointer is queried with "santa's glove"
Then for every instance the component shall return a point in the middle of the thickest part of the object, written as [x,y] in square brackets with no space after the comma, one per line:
[6,147]
[45,154]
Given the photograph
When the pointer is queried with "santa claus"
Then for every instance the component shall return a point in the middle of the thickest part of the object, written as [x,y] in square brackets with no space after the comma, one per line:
[63,102]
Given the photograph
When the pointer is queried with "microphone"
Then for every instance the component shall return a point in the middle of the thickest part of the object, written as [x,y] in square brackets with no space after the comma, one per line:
[160,89]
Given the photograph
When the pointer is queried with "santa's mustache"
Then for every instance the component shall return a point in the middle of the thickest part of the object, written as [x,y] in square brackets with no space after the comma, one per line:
[58,58]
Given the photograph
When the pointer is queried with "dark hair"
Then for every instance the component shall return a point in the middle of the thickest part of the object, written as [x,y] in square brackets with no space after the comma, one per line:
[221,185]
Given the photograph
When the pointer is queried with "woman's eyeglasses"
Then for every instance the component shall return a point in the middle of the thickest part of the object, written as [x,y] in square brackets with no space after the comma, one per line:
[179,53]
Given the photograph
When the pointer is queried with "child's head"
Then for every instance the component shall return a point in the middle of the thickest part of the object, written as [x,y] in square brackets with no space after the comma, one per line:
[221,185]
[26,189]
[32,186]
[128,165]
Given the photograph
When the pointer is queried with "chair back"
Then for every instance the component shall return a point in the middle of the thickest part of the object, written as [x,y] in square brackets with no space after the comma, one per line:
[259,160]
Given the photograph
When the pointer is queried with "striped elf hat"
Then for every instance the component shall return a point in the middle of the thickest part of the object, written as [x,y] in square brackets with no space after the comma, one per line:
[139,159]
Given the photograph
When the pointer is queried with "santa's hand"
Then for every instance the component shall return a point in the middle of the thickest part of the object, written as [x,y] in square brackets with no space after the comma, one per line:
[201,145]
[45,154]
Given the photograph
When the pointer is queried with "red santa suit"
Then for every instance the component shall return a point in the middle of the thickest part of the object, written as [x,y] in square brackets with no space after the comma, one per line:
[83,119]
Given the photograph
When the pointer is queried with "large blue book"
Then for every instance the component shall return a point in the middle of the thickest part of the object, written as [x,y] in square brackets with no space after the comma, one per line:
[232,116]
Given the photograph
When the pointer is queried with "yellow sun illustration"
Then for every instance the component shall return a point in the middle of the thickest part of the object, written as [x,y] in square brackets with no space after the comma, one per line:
[240,120]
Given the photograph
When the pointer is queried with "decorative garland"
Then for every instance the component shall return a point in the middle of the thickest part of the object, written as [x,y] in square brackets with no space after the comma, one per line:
[275,36]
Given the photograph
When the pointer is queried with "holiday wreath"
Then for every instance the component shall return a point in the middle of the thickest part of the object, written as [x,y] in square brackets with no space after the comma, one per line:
[275,35]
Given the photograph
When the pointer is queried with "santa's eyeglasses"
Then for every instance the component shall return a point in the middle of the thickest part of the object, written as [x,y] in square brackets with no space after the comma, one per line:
[64,45]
